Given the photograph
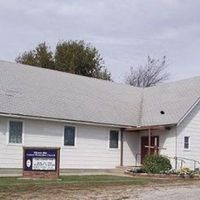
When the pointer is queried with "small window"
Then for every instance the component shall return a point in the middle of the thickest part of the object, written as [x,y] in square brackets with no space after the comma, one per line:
[15,132]
[186,142]
[114,137]
[69,136]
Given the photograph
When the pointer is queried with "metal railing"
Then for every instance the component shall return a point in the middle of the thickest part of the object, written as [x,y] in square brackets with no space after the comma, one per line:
[177,159]
[195,162]
[183,160]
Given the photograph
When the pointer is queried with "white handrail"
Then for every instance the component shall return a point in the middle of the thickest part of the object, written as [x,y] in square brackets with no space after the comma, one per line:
[176,158]
[183,160]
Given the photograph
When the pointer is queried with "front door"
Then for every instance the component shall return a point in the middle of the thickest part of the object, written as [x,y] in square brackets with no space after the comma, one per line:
[145,142]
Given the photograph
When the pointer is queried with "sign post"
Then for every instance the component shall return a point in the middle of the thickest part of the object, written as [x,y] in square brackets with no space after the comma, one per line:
[39,162]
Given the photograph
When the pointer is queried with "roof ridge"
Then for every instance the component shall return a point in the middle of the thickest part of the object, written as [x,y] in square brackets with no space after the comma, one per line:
[71,74]
[141,109]
[173,82]
[102,80]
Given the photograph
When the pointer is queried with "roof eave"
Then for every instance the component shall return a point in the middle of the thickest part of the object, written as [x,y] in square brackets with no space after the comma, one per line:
[188,111]
[151,127]
[22,116]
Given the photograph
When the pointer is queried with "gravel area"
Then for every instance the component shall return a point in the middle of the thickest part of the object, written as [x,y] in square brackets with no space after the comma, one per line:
[169,192]
[185,192]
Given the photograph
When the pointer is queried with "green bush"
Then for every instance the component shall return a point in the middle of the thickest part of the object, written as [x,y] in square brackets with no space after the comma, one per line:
[186,172]
[156,164]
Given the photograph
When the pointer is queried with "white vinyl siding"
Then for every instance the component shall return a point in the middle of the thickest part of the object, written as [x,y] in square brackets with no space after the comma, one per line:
[90,151]
[131,149]
[190,127]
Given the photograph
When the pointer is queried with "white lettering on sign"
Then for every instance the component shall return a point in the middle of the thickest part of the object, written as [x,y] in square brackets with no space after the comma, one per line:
[44,164]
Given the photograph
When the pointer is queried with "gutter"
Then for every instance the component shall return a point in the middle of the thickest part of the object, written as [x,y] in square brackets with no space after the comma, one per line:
[21,116]
[152,127]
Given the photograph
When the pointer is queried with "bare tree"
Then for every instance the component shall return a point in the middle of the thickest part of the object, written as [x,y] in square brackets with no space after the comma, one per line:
[152,73]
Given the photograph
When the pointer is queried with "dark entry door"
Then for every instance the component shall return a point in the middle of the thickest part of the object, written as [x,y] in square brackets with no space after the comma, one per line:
[145,142]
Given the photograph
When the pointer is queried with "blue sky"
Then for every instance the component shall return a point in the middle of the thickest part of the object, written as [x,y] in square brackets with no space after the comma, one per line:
[124,31]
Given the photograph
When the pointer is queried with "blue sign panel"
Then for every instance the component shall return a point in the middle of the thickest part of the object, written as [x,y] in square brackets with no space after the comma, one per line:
[40,159]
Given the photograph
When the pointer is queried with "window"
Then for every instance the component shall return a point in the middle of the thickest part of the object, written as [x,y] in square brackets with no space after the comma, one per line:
[186,142]
[15,132]
[69,136]
[114,137]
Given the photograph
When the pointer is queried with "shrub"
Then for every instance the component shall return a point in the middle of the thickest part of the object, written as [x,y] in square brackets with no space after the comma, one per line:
[156,164]
[186,172]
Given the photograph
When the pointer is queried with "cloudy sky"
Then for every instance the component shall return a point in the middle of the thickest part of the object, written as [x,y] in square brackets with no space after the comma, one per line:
[124,31]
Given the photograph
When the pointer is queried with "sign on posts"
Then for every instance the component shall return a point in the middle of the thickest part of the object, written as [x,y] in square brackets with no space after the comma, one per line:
[39,162]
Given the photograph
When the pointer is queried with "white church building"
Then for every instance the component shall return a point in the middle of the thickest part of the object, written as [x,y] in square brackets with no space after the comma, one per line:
[96,124]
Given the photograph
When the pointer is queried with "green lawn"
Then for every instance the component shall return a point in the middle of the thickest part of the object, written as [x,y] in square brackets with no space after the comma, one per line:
[16,185]
[16,188]
[76,180]
[67,186]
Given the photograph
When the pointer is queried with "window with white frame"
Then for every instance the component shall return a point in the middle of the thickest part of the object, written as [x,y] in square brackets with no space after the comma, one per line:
[186,142]
[15,132]
[69,136]
[114,139]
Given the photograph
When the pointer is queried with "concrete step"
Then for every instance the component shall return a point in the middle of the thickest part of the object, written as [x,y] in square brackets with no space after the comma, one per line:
[10,172]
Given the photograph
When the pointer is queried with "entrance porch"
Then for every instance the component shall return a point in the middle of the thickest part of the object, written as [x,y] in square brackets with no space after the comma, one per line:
[140,142]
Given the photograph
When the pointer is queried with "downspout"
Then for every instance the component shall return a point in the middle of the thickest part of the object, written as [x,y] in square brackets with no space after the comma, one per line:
[176,148]
[121,146]
[149,142]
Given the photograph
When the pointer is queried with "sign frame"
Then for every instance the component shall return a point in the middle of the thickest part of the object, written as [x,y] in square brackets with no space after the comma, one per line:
[43,152]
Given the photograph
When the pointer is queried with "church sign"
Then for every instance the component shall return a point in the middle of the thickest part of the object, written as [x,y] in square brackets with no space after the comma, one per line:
[41,162]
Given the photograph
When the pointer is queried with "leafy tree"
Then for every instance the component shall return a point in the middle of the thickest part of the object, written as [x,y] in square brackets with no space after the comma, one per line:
[80,58]
[151,74]
[75,57]
[41,56]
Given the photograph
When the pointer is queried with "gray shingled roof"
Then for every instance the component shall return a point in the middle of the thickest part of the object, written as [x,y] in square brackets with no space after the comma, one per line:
[175,99]
[33,91]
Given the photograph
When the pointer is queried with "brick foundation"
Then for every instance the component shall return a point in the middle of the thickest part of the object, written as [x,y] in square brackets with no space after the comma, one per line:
[42,174]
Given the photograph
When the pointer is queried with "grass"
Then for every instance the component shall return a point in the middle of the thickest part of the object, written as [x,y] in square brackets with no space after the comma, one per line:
[71,180]
[76,180]
[13,185]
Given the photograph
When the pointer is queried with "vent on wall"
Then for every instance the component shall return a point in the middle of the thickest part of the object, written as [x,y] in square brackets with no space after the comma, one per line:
[162,112]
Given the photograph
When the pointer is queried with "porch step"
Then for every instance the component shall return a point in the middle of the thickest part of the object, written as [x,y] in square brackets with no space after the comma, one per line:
[10,172]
